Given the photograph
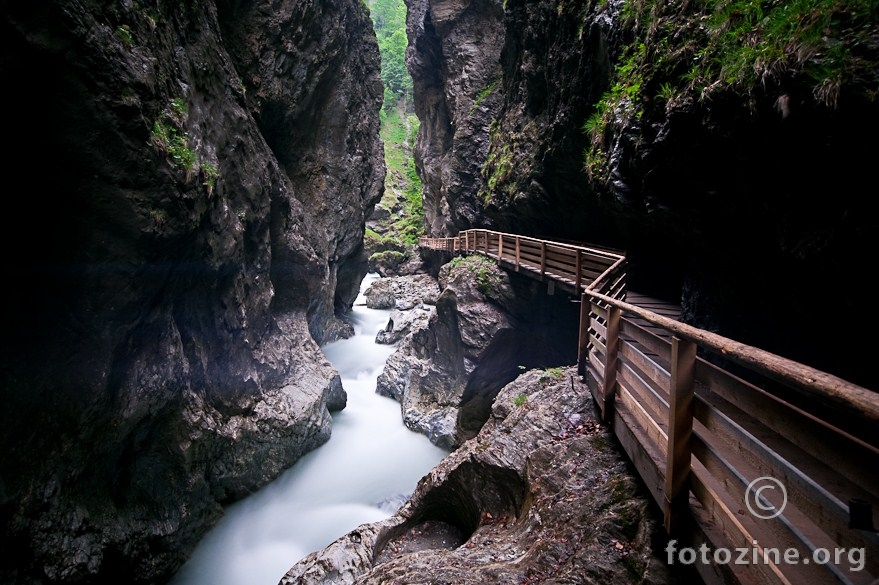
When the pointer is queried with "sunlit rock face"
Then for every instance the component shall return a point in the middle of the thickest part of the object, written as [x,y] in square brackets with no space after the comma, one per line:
[199,177]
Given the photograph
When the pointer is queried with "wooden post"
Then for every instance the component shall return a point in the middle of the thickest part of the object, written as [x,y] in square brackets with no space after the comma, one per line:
[542,259]
[680,430]
[611,357]
[518,250]
[500,248]
[583,343]
[578,278]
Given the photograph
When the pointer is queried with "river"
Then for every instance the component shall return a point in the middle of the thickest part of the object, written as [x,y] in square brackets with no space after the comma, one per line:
[371,462]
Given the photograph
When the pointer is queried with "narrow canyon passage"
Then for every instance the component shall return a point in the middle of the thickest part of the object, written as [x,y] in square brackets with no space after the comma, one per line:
[365,471]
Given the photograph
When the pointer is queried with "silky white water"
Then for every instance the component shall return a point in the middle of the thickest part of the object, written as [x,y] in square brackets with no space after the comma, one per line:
[356,477]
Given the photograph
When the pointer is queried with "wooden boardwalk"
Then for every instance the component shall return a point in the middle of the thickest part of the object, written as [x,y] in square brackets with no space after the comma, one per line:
[705,440]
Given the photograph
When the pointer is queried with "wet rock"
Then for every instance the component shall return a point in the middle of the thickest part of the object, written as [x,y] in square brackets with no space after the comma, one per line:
[403,322]
[541,494]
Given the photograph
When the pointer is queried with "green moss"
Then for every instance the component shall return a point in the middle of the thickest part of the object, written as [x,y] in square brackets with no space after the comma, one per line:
[124,34]
[484,272]
[167,135]
[520,399]
[730,46]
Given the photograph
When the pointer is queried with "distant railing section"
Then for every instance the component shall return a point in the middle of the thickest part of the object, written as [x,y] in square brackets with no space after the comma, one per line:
[700,435]
[569,266]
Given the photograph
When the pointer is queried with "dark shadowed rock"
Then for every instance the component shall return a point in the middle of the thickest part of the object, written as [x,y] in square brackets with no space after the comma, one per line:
[204,172]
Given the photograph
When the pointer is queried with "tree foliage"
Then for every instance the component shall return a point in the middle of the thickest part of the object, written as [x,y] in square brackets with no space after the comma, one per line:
[389,20]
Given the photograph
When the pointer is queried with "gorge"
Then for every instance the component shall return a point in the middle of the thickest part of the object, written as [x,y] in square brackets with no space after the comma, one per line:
[194,183]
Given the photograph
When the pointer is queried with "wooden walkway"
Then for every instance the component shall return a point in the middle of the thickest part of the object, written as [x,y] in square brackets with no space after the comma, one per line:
[705,440]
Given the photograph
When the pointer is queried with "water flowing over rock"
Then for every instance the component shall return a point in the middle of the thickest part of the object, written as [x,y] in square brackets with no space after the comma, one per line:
[541,493]
[203,171]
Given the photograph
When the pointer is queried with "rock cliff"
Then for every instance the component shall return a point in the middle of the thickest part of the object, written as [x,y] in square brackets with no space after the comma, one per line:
[192,187]
[731,172]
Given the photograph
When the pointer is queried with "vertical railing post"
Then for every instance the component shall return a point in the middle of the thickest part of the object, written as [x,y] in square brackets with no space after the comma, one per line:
[583,343]
[578,279]
[518,254]
[542,259]
[611,358]
[500,248]
[680,430]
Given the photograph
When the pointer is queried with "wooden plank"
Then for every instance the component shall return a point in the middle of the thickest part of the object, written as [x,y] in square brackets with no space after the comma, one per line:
[648,431]
[598,310]
[593,381]
[720,512]
[599,327]
[645,456]
[812,485]
[640,389]
[596,363]
[835,398]
[825,441]
[583,338]
[518,253]
[542,258]
[561,256]
[648,368]
[649,341]
[793,529]
[680,428]
[597,343]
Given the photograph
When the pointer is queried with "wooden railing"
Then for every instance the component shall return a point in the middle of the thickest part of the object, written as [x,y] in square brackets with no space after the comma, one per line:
[699,434]
[569,266]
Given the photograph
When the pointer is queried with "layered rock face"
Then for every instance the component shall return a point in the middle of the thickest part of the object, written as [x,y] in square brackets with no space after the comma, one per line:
[453,58]
[733,201]
[198,177]
[488,325]
[539,495]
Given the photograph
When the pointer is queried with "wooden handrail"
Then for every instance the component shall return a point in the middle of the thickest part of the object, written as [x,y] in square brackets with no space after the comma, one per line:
[816,383]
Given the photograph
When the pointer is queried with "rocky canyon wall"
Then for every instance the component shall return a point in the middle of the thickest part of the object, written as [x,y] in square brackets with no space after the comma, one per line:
[190,184]
[734,199]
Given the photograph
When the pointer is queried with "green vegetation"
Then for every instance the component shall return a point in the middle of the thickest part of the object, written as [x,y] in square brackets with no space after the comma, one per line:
[738,46]
[555,373]
[169,136]
[399,128]
[211,174]
[389,20]
[520,399]
[124,34]
[485,272]
[175,142]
